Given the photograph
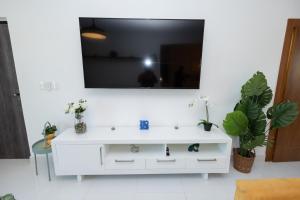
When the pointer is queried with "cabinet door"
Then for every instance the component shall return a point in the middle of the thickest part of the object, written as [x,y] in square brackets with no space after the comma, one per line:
[79,158]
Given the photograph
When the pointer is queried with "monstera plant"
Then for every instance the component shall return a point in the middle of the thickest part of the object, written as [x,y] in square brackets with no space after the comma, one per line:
[251,124]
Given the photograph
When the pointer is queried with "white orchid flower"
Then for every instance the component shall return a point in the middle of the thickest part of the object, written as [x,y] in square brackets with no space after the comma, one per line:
[76,105]
[72,110]
[83,106]
[72,107]
[67,109]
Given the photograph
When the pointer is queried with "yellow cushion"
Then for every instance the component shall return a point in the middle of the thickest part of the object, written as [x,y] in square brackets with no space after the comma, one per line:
[265,189]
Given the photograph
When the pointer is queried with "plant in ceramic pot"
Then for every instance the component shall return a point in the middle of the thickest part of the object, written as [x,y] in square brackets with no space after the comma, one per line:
[248,121]
[205,122]
[78,109]
[49,133]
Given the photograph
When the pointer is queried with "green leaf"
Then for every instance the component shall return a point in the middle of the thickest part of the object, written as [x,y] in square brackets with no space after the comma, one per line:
[215,125]
[258,126]
[259,140]
[255,86]
[249,108]
[236,123]
[200,123]
[282,114]
[265,98]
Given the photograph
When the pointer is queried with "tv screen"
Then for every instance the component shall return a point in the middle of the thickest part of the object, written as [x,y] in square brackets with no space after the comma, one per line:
[141,53]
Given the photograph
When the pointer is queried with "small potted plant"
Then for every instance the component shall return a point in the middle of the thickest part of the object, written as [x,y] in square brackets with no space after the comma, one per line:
[251,124]
[206,123]
[78,109]
[49,133]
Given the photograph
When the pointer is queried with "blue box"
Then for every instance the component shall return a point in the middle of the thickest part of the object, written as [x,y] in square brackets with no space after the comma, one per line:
[144,124]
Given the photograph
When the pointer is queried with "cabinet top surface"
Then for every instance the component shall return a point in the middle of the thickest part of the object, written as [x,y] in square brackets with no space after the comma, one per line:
[155,135]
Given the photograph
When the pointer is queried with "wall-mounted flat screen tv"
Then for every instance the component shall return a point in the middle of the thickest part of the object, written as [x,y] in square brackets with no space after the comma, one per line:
[141,53]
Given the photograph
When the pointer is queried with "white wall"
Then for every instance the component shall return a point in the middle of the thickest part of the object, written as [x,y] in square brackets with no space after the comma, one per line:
[241,37]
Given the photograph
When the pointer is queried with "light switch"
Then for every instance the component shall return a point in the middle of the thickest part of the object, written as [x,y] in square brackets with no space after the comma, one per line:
[47,85]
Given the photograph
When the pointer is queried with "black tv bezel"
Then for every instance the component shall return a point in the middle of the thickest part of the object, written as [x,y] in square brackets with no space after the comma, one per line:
[137,88]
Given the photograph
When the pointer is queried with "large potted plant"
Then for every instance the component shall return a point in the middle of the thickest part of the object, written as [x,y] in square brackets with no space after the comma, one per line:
[251,124]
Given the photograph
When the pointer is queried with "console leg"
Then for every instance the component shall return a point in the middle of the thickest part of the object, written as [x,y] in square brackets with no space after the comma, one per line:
[205,176]
[79,178]
[35,162]
[49,177]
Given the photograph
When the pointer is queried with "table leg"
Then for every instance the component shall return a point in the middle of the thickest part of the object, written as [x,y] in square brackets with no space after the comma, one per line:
[48,167]
[35,163]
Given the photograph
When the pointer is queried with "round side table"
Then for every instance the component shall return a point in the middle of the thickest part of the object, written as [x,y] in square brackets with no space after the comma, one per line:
[39,148]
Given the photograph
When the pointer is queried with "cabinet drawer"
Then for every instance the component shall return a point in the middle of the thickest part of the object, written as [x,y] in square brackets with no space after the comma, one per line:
[206,163]
[122,163]
[165,163]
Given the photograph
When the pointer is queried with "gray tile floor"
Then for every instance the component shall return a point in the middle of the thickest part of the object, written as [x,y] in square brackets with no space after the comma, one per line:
[18,177]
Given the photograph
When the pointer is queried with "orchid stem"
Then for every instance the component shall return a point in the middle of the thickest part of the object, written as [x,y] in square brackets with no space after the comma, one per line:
[207,114]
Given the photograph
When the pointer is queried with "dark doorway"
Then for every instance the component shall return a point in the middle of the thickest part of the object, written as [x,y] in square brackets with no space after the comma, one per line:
[13,136]
[286,145]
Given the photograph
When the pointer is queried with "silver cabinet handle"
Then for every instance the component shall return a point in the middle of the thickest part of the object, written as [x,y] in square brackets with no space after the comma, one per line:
[122,161]
[159,160]
[101,160]
[200,160]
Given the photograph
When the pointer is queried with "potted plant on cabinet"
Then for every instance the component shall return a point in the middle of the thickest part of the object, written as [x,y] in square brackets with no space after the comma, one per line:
[49,133]
[206,123]
[77,109]
[248,121]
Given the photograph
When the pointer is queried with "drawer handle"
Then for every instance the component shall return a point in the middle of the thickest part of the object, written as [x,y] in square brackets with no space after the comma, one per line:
[101,160]
[159,160]
[124,161]
[200,160]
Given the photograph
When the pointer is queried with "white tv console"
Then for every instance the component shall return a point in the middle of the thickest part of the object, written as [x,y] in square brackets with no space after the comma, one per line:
[103,151]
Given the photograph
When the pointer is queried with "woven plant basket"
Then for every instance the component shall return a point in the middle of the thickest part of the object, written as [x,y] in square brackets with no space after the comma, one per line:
[242,164]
